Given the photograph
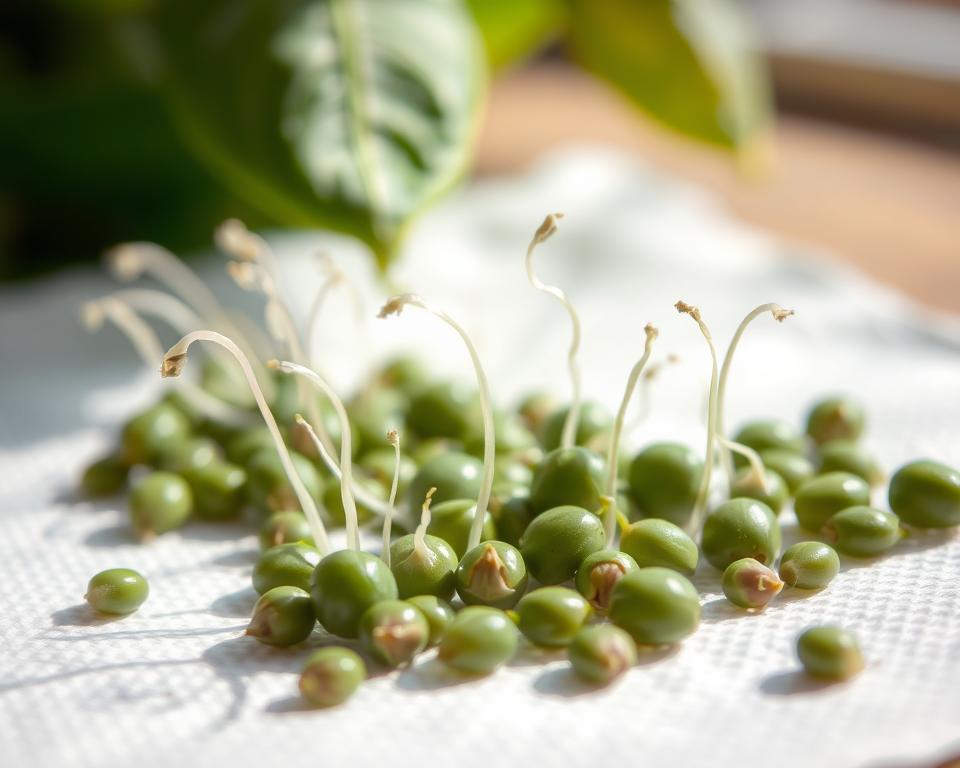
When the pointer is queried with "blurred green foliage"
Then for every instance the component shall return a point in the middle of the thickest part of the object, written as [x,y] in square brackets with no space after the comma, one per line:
[155,119]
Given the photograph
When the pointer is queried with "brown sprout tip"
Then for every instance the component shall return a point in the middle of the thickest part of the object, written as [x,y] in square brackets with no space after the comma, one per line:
[688,309]
[547,228]
[172,365]
[782,314]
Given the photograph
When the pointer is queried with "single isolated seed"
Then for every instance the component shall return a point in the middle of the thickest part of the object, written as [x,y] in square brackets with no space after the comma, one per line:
[393,632]
[557,542]
[822,497]
[283,616]
[331,676]
[117,591]
[601,653]
[660,543]
[926,494]
[286,565]
[345,584]
[478,641]
[492,573]
[104,477]
[161,502]
[809,565]
[657,606]
[863,531]
[836,418]
[829,652]
[599,573]
[552,616]
[740,528]
[437,612]
[749,584]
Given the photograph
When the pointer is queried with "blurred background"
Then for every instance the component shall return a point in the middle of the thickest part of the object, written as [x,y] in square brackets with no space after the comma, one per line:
[831,122]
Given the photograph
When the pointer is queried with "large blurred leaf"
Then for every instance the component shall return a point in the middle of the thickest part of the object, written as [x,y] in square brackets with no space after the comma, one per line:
[690,64]
[515,29]
[347,114]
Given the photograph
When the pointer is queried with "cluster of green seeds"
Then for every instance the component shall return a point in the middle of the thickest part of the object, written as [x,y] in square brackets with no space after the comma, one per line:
[496,525]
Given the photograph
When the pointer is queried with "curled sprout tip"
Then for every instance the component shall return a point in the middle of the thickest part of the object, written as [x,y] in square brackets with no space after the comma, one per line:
[549,226]
[688,309]
[782,314]
[124,261]
[395,304]
[233,237]
[393,437]
[172,365]
[651,331]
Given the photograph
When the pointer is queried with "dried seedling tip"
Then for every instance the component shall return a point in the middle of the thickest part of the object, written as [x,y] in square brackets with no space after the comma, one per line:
[547,228]
[233,237]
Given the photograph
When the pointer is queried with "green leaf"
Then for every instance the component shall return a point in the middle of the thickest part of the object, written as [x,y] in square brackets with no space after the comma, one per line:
[515,29]
[347,114]
[690,64]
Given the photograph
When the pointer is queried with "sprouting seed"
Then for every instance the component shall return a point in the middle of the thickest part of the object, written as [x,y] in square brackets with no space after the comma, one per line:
[394,306]
[544,231]
[610,519]
[173,362]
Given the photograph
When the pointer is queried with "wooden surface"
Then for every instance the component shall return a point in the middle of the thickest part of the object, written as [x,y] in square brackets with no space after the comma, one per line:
[889,206]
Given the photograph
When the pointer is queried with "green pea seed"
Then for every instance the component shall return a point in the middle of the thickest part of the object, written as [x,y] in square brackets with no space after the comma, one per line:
[568,476]
[331,676]
[117,591]
[926,494]
[375,412]
[244,445]
[267,486]
[393,632]
[657,606]
[558,541]
[283,616]
[452,521]
[665,480]
[345,585]
[794,468]
[771,490]
[478,641]
[740,528]
[821,498]
[601,653]
[284,528]
[850,456]
[104,477]
[454,475]
[836,418]
[552,616]
[594,421]
[599,573]
[863,531]
[188,454]
[379,465]
[447,409]
[438,613]
[493,574]
[829,652]
[286,565]
[512,474]
[429,571]
[535,408]
[147,436]
[660,543]
[512,437]
[161,502]
[769,434]
[219,490]
[406,373]
[512,517]
[809,565]
[749,584]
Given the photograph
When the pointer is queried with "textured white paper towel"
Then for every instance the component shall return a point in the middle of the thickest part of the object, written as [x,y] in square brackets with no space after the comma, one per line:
[177,684]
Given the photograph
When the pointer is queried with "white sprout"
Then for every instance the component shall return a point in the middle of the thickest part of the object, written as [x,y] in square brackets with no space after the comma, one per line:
[779,314]
[393,437]
[644,385]
[703,495]
[346,449]
[334,277]
[254,271]
[569,435]
[173,362]
[420,535]
[757,473]
[609,517]
[363,496]
[394,306]
[145,342]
